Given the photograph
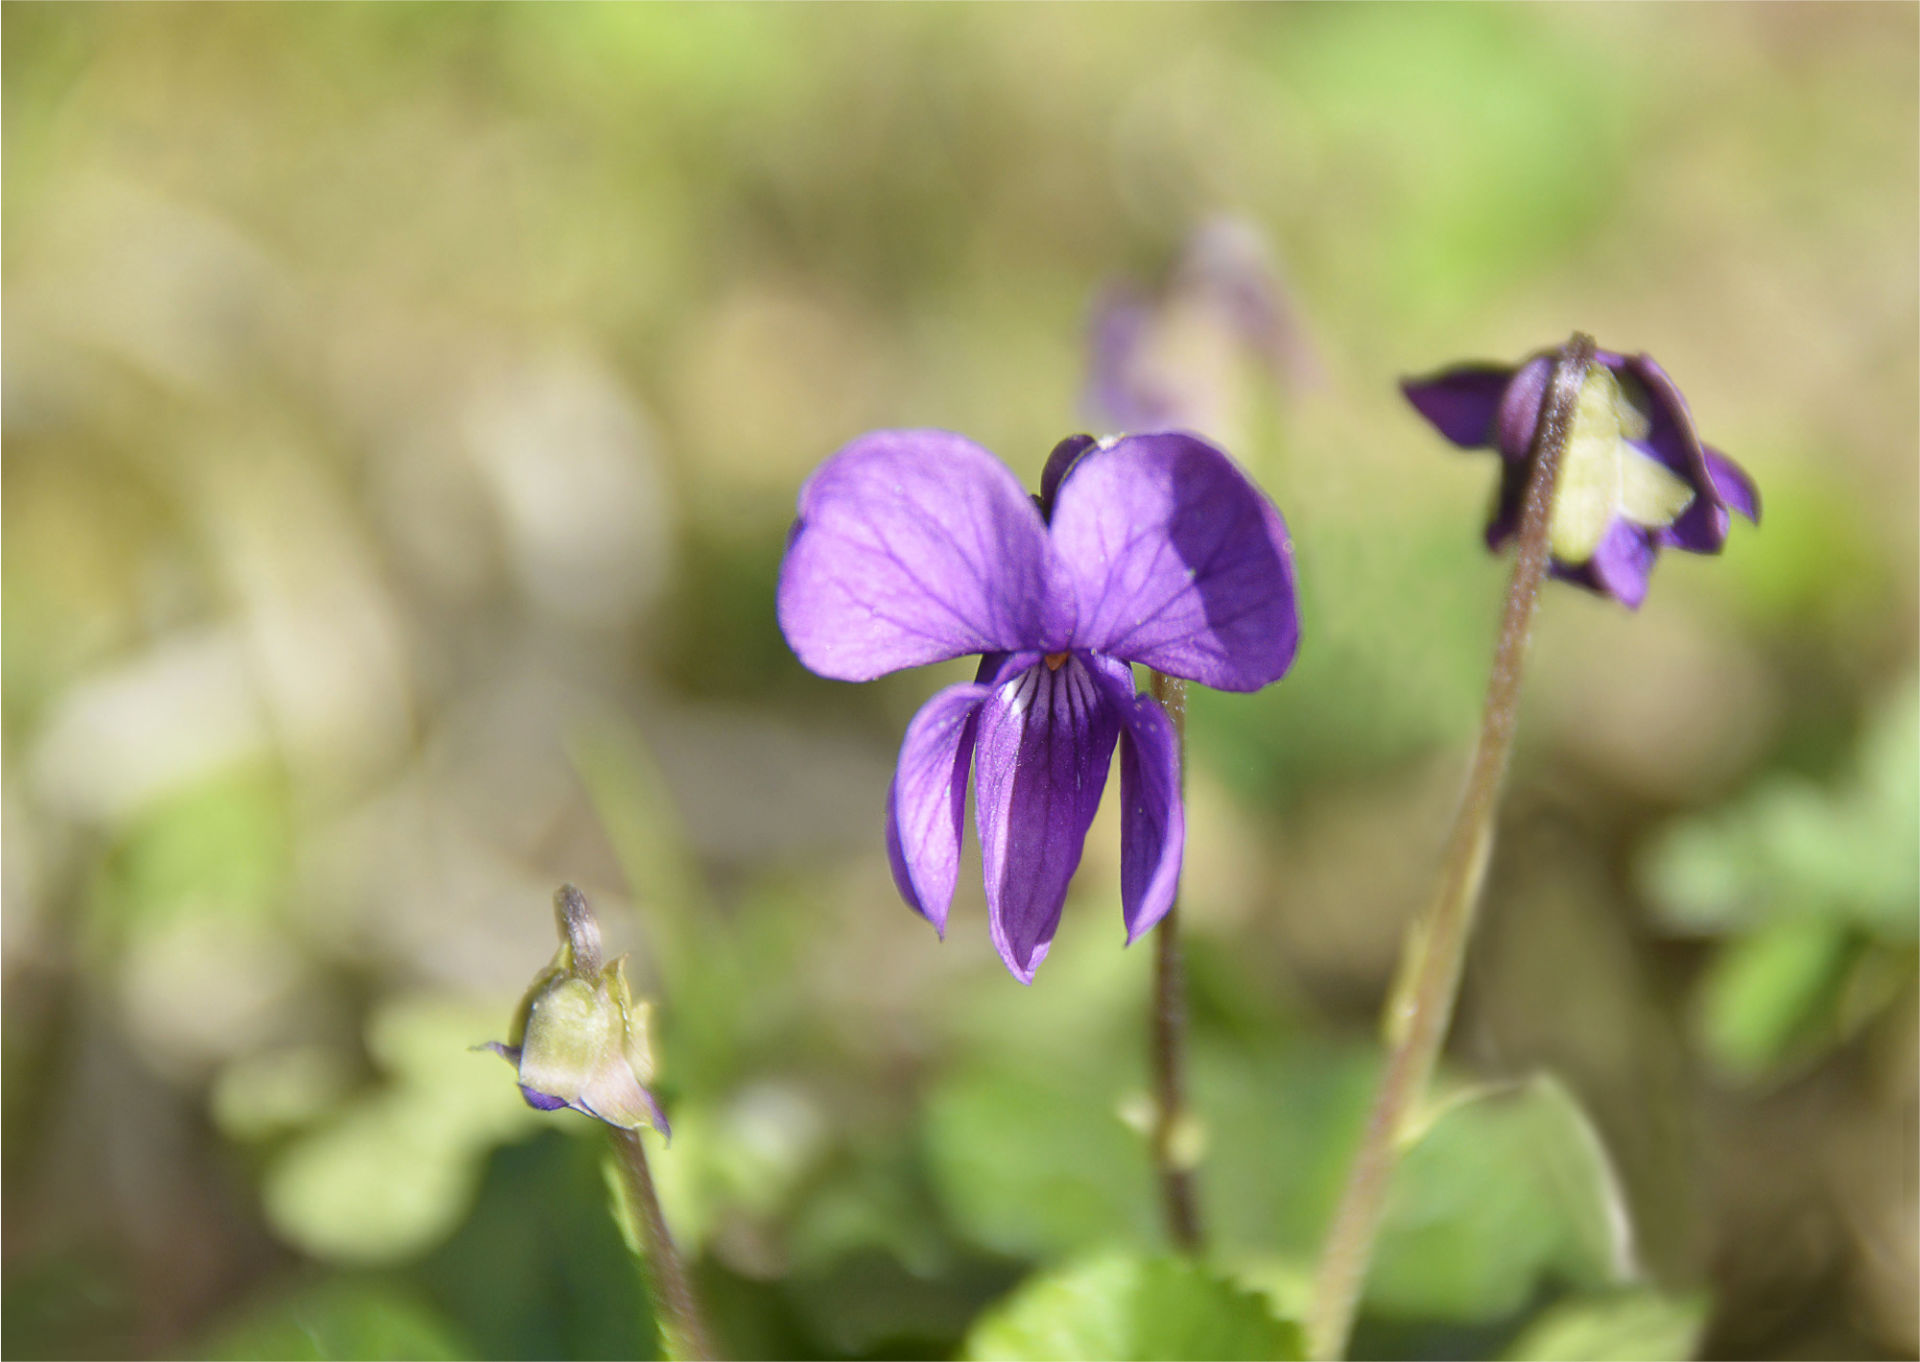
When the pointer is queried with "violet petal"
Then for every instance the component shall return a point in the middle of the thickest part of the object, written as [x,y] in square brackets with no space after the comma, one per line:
[1623,563]
[541,1101]
[1671,438]
[1732,485]
[1059,463]
[1153,828]
[928,801]
[915,546]
[1461,402]
[1509,503]
[1044,744]
[1519,415]
[1119,395]
[1179,562]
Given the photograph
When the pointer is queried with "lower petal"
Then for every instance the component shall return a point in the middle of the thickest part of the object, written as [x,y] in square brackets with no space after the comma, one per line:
[1045,740]
[929,798]
[1703,526]
[1623,563]
[1153,828]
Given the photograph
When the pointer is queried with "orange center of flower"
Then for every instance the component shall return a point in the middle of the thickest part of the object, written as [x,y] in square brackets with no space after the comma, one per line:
[1054,660]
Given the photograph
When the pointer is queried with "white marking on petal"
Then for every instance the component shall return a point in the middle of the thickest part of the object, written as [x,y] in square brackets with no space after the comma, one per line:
[1603,478]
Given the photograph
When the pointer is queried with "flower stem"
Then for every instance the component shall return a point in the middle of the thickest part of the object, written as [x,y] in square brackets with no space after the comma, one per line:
[673,1299]
[1436,948]
[1178,1197]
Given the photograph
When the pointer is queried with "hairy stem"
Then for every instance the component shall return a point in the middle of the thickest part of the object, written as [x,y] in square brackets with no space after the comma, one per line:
[1179,1200]
[1437,946]
[673,1299]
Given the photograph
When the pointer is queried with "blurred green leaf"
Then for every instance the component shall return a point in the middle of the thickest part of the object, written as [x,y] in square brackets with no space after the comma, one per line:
[1633,1326]
[1818,891]
[539,1268]
[1126,1307]
[392,1173]
[1848,854]
[1032,1165]
[1767,994]
[222,847]
[337,1321]
[278,1091]
[1504,1192]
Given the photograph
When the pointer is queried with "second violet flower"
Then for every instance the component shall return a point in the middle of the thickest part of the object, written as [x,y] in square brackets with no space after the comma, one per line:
[918,546]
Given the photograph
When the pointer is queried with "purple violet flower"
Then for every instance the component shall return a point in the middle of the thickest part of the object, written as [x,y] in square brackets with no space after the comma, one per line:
[1635,477]
[1184,355]
[918,546]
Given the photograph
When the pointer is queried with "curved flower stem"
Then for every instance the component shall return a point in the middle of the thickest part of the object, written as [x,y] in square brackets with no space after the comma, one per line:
[1423,1001]
[1177,1195]
[673,1298]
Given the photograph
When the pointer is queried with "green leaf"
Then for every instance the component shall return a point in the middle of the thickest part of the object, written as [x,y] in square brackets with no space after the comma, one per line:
[1123,1307]
[1772,994]
[342,1321]
[538,1268]
[1030,1165]
[393,1172]
[1791,849]
[1502,1192]
[1633,1326]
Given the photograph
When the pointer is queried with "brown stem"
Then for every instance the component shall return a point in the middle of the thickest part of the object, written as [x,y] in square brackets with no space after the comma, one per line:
[1438,944]
[1178,1196]
[673,1298]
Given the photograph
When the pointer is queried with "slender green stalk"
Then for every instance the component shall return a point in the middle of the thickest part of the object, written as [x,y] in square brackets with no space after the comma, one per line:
[1179,1199]
[673,1299]
[1438,944]
[674,1303]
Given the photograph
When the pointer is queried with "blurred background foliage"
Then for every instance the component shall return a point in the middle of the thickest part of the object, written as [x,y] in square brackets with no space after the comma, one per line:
[404,407]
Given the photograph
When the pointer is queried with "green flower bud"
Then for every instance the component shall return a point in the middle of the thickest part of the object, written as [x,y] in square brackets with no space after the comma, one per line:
[579,1040]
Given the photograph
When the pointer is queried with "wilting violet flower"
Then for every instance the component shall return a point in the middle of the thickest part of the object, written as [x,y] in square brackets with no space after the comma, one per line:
[917,546]
[579,1039]
[1634,478]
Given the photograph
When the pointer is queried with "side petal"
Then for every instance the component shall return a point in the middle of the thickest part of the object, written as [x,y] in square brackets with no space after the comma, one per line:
[928,801]
[915,546]
[1732,485]
[1045,741]
[1671,437]
[1153,820]
[1178,561]
[1461,403]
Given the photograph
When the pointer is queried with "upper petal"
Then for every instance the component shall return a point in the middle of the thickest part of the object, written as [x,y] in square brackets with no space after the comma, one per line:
[914,546]
[1518,419]
[1178,561]
[1461,402]
[1153,827]
[1045,740]
[928,801]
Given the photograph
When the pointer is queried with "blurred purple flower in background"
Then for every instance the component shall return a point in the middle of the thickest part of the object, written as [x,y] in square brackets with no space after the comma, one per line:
[1177,357]
[918,546]
[1635,477]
